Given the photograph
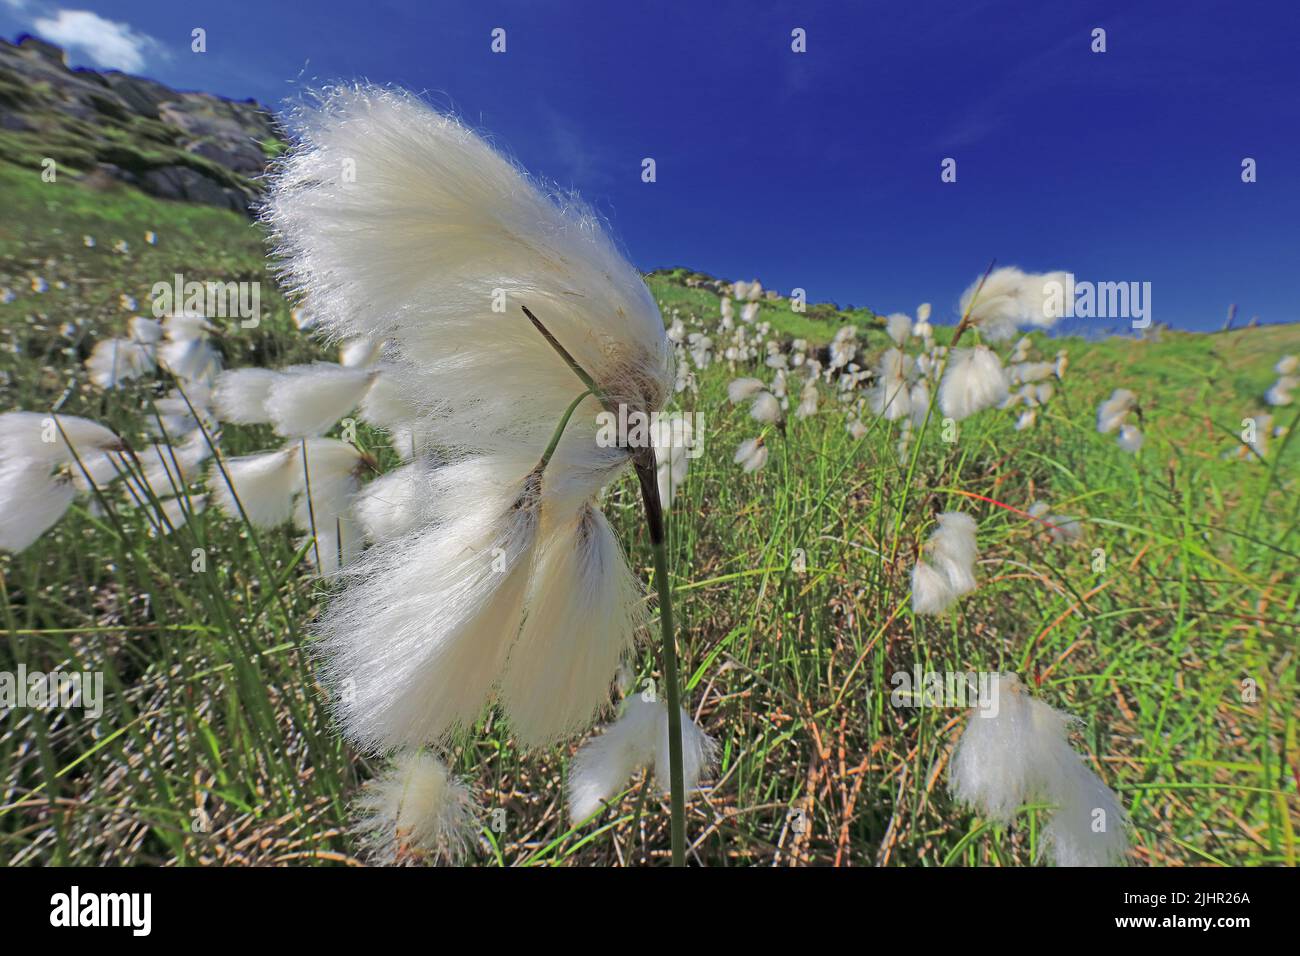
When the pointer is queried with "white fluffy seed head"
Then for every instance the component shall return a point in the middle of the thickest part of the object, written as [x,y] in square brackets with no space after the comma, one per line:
[931,593]
[974,380]
[1010,299]
[417,641]
[766,409]
[416,812]
[742,389]
[114,361]
[307,400]
[240,395]
[262,486]
[53,439]
[1112,412]
[751,454]
[395,504]
[1130,438]
[605,764]
[1015,750]
[583,613]
[32,500]
[899,328]
[434,245]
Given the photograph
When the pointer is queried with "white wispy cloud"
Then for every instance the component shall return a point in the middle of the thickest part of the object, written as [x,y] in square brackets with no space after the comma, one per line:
[107,43]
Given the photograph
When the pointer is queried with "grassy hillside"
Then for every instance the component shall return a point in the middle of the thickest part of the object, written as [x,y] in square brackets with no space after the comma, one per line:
[215,745]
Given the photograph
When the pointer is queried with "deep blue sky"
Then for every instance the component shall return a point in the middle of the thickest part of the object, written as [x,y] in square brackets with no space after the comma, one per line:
[821,170]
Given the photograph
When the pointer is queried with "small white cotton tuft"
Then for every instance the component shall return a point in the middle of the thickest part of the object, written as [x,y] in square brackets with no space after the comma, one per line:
[930,591]
[974,380]
[240,395]
[766,409]
[899,328]
[751,454]
[114,361]
[264,485]
[949,572]
[1112,412]
[308,400]
[32,500]
[604,765]
[1130,438]
[416,812]
[738,390]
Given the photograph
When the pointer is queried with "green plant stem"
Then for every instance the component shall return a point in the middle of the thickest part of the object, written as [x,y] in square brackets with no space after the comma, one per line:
[646,473]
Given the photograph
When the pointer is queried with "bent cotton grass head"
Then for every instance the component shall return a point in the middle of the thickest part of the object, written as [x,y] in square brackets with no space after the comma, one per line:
[1018,752]
[498,303]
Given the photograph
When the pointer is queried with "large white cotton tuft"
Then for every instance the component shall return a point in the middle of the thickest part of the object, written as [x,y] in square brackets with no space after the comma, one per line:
[1016,750]
[584,609]
[435,244]
[974,380]
[306,400]
[416,812]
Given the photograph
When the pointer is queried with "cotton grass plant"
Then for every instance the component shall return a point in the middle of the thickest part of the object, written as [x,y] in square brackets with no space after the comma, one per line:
[511,321]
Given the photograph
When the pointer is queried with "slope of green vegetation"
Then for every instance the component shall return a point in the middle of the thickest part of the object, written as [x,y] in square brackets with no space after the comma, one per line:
[792,588]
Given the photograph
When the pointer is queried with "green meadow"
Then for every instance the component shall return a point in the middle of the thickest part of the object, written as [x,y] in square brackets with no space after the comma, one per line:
[1170,628]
